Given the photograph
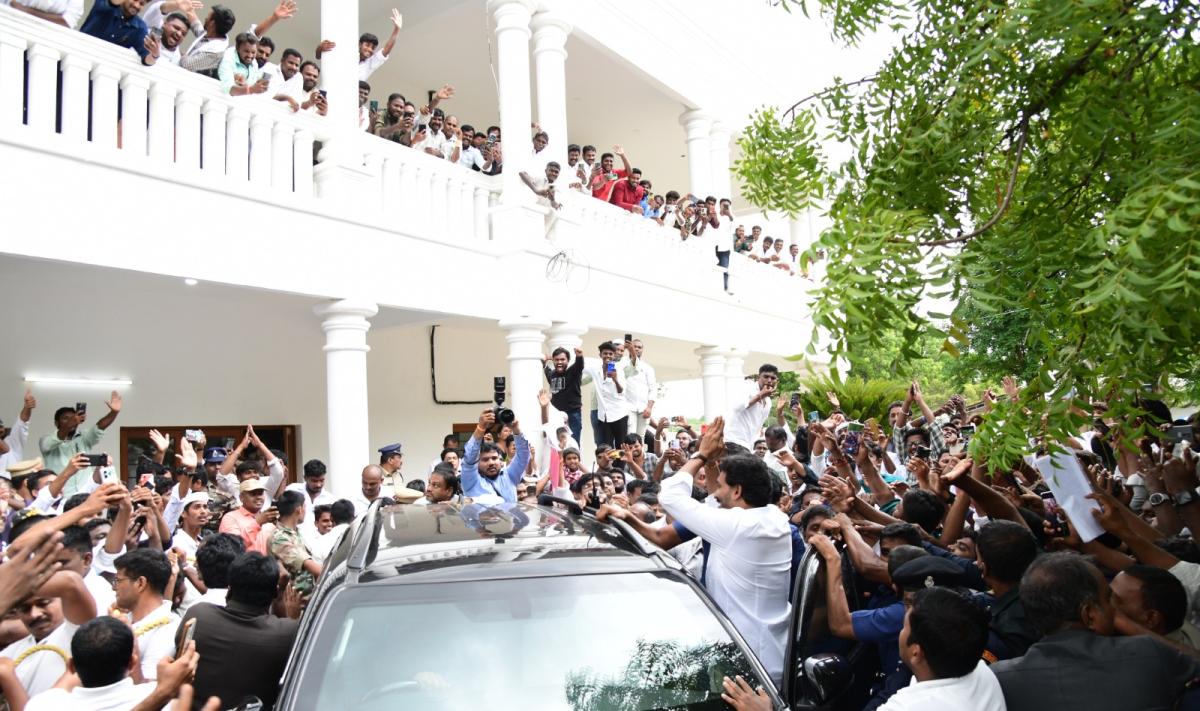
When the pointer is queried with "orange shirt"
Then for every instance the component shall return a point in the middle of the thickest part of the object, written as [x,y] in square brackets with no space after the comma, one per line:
[240,522]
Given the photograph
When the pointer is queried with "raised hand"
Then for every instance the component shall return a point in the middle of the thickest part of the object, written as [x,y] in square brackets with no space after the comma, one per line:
[833,400]
[326,46]
[160,440]
[1009,383]
[30,400]
[30,563]
[446,91]
[187,455]
[285,9]
[397,18]
[114,402]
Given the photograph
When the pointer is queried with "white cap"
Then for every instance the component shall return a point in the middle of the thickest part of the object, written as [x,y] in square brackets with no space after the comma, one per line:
[195,497]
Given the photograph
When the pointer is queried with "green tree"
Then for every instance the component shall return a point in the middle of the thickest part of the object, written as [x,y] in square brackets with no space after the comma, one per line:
[1028,159]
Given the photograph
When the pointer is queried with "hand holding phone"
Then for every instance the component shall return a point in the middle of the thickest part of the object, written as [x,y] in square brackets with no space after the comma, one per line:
[188,632]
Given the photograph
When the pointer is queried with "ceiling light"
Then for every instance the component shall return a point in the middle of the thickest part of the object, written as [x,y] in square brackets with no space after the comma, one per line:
[190,281]
[97,382]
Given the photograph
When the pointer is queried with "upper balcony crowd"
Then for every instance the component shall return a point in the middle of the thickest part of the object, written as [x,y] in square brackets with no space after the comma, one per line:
[241,63]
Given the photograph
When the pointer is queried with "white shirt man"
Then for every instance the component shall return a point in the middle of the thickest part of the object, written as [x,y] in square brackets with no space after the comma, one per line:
[611,404]
[978,690]
[750,554]
[310,501]
[114,697]
[747,414]
[641,387]
[16,446]
[155,636]
[40,670]
[70,10]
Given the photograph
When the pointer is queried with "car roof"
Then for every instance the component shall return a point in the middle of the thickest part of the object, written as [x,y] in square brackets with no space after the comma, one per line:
[470,540]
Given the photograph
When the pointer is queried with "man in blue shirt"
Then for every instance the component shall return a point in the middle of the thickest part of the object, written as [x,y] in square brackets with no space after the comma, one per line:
[481,466]
[117,21]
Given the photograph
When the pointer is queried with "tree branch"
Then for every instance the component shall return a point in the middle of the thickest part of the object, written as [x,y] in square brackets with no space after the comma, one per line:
[1022,138]
[792,111]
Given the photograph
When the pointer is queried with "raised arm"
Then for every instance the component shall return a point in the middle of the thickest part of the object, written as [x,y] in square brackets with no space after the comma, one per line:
[114,408]
[397,23]
[624,158]
[78,605]
[840,623]
[284,10]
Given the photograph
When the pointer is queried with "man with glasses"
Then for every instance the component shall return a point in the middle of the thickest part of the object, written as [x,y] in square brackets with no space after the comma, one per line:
[140,584]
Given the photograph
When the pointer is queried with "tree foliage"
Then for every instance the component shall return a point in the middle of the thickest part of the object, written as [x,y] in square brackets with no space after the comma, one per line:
[1036,163]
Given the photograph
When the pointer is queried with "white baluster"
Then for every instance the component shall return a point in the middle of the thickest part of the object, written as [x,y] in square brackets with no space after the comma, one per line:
[420,192]
[43,88]
[282,155]
[482,226]
[161,130]
[12,78]
[302,163]
[373,193]
[215,117]
[466,211]
[439,227]
[237,145]
[133,113]
[406,188]
[261,136]
[104,105]
[74,109]
[187,130]
[389,192]
[454,210]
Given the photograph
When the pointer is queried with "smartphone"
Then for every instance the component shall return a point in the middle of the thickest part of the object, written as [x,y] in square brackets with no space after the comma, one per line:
[189,631]
[629,338]
[616,454]
[97,460]
[814,416]
[795,400]
[855,426]
[81,408]
[375,105]
[673,444]
[1180,433]
[193,435]
[1054,511]
[923,452]
[966,431]
[850,444]
[610,368]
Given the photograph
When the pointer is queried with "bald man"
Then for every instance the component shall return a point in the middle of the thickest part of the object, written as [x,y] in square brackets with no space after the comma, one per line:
[372,488]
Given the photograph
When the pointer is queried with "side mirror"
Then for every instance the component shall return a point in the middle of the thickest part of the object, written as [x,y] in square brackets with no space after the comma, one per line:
[827,674]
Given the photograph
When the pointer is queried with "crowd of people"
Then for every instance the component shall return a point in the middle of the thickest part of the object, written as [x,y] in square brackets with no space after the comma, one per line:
[972,587]
[241,62]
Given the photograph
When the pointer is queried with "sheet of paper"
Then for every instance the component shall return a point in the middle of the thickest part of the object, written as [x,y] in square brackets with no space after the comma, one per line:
[1070,485]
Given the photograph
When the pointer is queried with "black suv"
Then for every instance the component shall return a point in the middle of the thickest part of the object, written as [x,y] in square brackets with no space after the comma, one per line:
[515,606]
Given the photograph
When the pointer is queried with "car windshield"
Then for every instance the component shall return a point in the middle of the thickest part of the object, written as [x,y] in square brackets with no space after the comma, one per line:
[593,642]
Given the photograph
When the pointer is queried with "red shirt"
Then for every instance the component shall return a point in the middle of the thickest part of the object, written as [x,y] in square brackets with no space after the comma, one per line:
[603,188]
[626,196]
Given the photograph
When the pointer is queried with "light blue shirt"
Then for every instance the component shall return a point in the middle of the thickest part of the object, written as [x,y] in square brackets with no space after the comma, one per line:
[504,485]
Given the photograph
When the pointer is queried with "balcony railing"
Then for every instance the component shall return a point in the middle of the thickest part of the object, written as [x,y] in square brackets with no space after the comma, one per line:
[75,95]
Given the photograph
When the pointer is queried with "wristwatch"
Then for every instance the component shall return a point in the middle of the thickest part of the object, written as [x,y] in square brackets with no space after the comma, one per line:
[1158,498]
[703,459]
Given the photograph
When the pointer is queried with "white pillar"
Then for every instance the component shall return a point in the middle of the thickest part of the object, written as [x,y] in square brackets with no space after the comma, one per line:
[339,175]
[712,380]
[722,179]
[345,324]
[550,56]
[512,59]
[798,233]
[525,339]
[565,334]
[735,375]
[339,68]
[698,125]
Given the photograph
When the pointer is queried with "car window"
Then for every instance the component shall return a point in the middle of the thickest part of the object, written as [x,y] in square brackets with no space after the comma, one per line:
[584,643]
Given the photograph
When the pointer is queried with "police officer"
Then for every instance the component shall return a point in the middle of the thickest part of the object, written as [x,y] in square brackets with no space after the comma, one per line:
[391,460]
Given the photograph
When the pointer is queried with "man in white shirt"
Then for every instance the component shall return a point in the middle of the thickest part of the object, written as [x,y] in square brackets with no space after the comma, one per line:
[612,409]
[51,615]
[12,439]
[641,386]
[313,489]
[471,157]
[750,556]
[370,59]
[942,643]
[747,414]
[724,238]
[61,12]
[287,84]
[102,657]
[140,586]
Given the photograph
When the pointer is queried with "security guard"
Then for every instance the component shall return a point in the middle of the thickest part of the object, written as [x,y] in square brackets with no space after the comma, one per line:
[391,460]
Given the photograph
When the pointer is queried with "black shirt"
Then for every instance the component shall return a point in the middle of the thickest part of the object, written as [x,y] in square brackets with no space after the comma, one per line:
[243,651]
[1078,670]
[1009,634]
[565,387]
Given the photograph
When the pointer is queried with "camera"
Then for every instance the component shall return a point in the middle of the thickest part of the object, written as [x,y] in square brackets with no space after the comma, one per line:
[504,415]
[923,452]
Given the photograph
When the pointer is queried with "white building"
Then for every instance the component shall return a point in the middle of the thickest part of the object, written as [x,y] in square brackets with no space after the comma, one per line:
[330,296]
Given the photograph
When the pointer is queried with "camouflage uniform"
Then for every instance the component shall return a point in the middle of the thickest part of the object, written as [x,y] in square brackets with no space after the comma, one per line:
[288,548]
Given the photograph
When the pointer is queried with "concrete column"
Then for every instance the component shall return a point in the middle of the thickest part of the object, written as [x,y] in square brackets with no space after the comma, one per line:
[565,334]
[526,339]
[516,113]
[549,58]
[722,179]
[713,380]
[698,125]
[339,175]
[735,375]
[346,324]
[339,68]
